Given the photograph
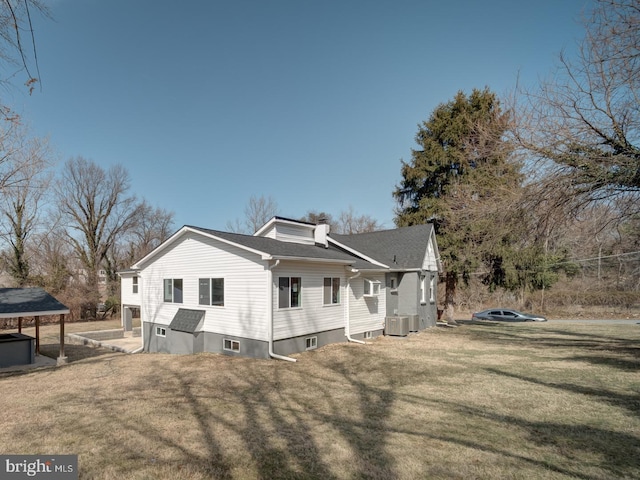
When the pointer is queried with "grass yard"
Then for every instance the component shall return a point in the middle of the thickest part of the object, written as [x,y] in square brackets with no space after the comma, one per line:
[517,401]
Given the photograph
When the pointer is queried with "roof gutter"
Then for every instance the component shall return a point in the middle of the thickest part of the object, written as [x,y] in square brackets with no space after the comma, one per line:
[272,354]
[347,328]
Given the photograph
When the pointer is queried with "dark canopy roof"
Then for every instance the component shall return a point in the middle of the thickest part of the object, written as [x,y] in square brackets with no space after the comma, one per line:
[27,302]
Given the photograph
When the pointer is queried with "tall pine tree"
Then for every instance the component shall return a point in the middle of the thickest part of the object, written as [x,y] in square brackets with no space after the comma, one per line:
[462,179]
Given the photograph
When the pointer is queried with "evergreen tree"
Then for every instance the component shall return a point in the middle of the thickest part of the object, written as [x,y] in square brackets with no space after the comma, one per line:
[463,179]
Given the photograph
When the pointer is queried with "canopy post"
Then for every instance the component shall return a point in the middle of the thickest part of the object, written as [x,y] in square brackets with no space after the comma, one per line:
[62,359]
[37,334]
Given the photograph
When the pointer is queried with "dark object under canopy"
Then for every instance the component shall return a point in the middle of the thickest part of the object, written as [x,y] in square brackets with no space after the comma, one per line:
[32,302]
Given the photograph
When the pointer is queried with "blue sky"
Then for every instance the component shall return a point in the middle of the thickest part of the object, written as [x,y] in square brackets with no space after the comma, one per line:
[313,103]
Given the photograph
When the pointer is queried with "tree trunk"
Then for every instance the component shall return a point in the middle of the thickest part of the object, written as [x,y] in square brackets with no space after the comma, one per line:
[451,282]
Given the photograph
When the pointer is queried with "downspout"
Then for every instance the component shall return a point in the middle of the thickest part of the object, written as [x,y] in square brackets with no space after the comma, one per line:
[347,331]
[270,314]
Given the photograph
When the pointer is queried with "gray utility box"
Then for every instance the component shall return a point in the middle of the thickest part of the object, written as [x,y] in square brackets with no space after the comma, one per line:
[414,323]
[396,326]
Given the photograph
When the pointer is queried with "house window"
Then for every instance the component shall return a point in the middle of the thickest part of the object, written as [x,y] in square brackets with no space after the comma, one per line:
[173,290]
[371,287]
[368,335]
[135,284]
[231,345]
[393,283]
[423,289]
[312,342]
[331,291]
[211,291]
[289,292]
[161,331]
[432,290]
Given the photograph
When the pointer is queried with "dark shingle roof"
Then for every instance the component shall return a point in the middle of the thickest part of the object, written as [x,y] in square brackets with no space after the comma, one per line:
[279,248]
[18,302]
[186,320]
[403,247]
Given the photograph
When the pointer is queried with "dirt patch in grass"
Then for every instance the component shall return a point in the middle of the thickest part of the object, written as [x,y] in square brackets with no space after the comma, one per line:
[505,401]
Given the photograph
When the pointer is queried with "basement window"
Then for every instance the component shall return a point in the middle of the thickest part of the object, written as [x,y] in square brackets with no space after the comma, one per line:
[312,342]
[161,332]
[371,287]
[368,335]
[231,345]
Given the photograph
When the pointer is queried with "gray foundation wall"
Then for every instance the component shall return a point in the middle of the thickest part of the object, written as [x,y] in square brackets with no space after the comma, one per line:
[299,344]
[187,343]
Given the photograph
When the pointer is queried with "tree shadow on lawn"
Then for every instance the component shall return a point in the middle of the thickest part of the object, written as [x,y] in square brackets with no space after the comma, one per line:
[278,411]
[622,353]
[630,402]
[619,451]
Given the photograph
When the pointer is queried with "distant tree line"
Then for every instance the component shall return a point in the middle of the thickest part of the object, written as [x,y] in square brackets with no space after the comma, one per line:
[520,191]
[71,233]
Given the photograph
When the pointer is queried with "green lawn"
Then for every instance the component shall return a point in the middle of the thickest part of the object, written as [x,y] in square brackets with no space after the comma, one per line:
[515,401]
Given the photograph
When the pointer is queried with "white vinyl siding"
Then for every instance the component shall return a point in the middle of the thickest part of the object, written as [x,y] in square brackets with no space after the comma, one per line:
[313,316]
[128,296]
[292,233]
[366,312]
[194,257]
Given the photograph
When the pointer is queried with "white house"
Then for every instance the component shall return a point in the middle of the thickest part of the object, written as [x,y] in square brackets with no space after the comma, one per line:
[290,287]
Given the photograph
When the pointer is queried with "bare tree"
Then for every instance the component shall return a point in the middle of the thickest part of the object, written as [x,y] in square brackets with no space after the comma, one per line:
[152,226]
[19,205]
[18,44]
[95,208]
[316,217]
[258,211]
[51,258]
[349,223]
[148,229]
[584,125]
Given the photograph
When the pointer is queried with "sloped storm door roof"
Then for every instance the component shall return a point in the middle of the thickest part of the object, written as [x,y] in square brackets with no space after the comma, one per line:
[186,320]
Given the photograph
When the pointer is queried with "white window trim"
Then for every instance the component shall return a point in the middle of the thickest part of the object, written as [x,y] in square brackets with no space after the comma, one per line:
[432,290]
[373,285]
[368,335]
[211,279]
[161,332]
[339,302]
[423,290]
[135,284]
[231,345]
[289,293]
[172,290]
[311,343]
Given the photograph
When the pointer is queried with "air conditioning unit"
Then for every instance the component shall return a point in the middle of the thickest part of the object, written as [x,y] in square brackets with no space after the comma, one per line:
[414,323]
[398,326]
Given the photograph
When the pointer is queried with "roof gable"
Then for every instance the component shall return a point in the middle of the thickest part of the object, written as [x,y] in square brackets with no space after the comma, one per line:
[399,248]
